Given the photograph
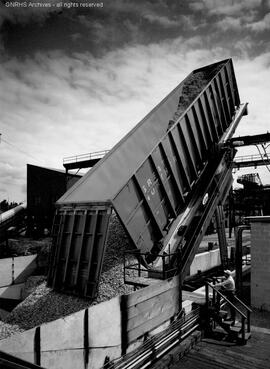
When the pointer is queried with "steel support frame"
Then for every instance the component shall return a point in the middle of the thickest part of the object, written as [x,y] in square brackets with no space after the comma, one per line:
[222,241]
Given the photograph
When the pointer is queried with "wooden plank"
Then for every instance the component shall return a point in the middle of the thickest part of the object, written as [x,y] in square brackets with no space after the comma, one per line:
[151,291]
[150,324]
[158,300]
[161,309]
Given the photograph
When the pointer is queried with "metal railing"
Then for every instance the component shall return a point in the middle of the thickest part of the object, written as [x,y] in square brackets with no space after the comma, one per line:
[245,318]
[134,266]
[257,157]
[85,157]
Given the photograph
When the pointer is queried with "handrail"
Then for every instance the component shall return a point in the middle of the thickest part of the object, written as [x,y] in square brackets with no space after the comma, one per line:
[244,158]
[88,156]
[243,304]
[227,300]
[142,268]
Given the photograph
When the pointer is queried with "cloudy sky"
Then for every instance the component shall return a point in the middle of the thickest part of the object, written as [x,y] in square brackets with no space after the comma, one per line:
[75,79]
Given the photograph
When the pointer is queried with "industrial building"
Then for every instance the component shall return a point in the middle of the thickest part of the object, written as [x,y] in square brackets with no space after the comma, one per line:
[44,187]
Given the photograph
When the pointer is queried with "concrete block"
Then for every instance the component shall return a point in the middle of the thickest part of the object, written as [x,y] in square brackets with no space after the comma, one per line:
[105,324]
[12,292]
[63,359]
[75,359]
[24,266]
[63,334]
[20,345]
[97,357]
[17,269]
[6,271]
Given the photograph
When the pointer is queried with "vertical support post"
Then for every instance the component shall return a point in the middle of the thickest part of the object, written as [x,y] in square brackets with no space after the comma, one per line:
[238,258]
[37,348]
[214,299]
[163,266]
[124,268]
[243,330]
[124,319]
[179,264]
[66,179]
[219,214]
[238,261]
[231,213]
[12,271]
[248,321]
[207,307]
[86,339]
[6,240]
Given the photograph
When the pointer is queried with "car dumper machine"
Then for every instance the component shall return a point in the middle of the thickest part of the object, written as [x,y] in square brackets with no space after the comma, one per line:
[165,179]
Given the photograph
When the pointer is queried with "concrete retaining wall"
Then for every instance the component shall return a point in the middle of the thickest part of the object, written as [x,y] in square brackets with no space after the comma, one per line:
[109,329]
[16,270]
[207,260]
[13,275]
[260,262]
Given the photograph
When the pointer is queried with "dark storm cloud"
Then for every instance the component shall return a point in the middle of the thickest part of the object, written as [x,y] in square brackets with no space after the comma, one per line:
[99,30]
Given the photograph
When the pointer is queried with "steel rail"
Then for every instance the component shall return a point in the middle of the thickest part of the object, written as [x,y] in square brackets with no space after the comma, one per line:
[158,345]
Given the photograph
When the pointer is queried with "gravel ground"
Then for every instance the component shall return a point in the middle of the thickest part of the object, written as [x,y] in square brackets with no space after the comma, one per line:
[44,305]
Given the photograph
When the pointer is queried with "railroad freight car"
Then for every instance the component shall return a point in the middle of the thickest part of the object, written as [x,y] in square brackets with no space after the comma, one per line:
[164,180]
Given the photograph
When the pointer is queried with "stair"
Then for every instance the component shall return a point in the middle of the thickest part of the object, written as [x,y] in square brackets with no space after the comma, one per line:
[217,322]
[229,329]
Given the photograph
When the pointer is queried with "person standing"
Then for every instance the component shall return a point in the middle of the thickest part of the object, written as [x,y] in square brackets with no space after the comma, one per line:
[228,290]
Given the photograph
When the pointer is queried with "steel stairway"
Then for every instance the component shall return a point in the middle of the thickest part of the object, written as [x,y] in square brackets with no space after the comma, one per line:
[217,323]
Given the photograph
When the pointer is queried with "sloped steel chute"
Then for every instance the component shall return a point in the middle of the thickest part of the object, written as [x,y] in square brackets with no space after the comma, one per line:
[164,180]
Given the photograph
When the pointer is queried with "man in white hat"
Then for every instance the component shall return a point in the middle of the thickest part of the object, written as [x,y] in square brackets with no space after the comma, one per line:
[228,290]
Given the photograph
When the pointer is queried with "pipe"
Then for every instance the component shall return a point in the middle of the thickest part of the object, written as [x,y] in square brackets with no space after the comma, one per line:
[9,214]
